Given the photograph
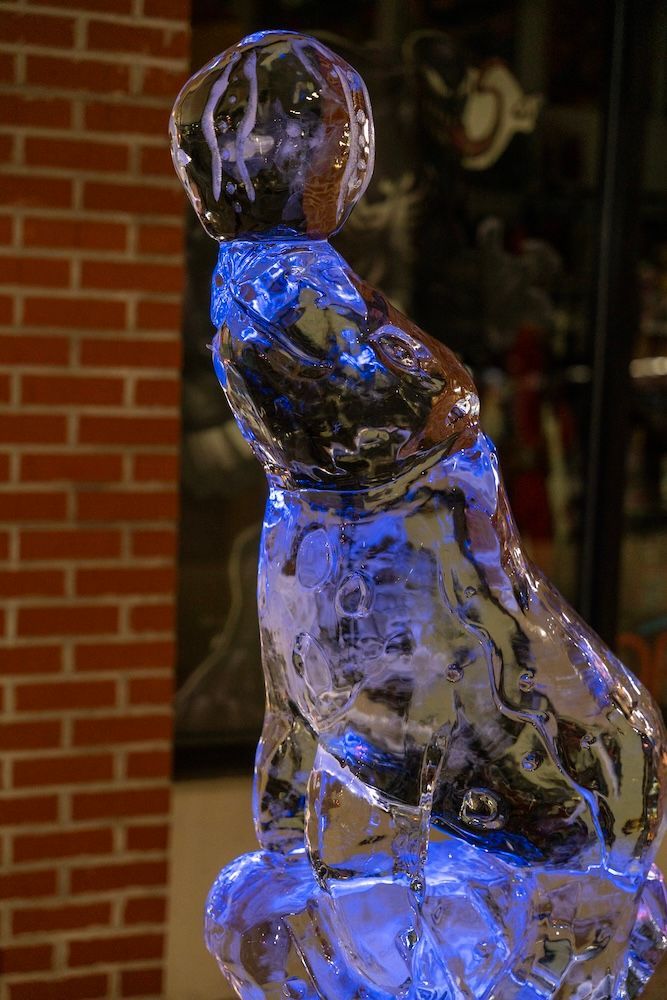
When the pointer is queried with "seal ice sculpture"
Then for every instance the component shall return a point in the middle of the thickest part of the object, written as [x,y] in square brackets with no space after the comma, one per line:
[459,789]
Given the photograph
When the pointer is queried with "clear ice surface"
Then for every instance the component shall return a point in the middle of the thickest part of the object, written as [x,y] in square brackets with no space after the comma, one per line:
[459,790]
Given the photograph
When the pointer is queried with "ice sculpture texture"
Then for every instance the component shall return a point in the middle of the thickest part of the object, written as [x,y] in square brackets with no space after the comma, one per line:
[459,789]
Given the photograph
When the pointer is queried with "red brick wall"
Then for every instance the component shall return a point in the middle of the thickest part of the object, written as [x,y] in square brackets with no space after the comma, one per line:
[90,281]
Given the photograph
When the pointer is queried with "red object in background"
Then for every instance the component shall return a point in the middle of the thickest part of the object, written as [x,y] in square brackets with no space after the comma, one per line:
[528,460]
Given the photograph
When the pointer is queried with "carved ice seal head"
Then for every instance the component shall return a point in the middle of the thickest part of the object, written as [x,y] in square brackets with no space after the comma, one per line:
[273,138]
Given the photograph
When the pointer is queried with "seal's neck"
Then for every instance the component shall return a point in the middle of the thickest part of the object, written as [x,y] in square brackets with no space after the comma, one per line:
[472,470]
[236,255]
[466,481]
[270,273]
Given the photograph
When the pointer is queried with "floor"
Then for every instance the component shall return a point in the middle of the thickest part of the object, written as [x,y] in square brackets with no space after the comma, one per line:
[211,826]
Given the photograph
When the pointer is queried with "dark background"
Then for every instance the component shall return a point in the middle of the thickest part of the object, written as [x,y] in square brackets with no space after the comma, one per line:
[540,257]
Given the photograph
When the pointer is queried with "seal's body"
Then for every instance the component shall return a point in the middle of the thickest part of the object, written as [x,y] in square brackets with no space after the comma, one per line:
[414,657]
[477,782]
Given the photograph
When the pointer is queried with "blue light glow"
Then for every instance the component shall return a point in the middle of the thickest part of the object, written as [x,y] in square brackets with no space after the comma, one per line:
[459,790]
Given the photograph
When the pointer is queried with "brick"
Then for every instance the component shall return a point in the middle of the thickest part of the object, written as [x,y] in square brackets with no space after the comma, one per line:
[152,837]
[22,350]
[29,809]
[7,67]
[78,313]
[32,583]
[65,694]
[37,29]
[28,884]
[101,878]
[156,468]
[6,229]
[67,619]
[154,163]
[141,982]
[119,6]
[132,353]
[154,543]
[152,618]
[6,314]
[5,388]
[62,844]
[131,276]
[64,232]
[4,545]
[34,192]
[96,468]
[7,155]
[157,392]
[30,735]
[70,390]
[116,948]
[25,111]
[70,154]
[149,764]
[33,428]
[118,730]
[179,10]
[125,656]
[77,74]
[26,958]
[95,987]
[145,910]
[160,240]
[34,271]
[126,580]
[127,802]
[129,430]
[76,468]
[164,43]
[151,690]
[62,769]
[76,544]
[32,920]
[159,81]
[114,505]
[154,315]
[43,271]
[134,199]
[31,659]
[24,506]
[4,473]
[126,119]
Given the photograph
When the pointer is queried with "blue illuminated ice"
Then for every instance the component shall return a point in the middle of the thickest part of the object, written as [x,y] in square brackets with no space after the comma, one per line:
[459,790]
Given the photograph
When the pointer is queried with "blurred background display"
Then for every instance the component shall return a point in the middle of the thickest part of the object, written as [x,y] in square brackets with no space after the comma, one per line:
[518,211]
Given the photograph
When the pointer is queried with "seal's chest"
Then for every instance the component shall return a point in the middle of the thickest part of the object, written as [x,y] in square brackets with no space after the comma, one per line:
[354,605]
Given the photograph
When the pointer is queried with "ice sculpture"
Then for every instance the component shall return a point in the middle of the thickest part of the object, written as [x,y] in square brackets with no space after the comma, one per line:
[459,789]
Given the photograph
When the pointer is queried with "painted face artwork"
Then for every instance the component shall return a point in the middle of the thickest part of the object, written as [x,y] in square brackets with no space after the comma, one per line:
[459,790]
